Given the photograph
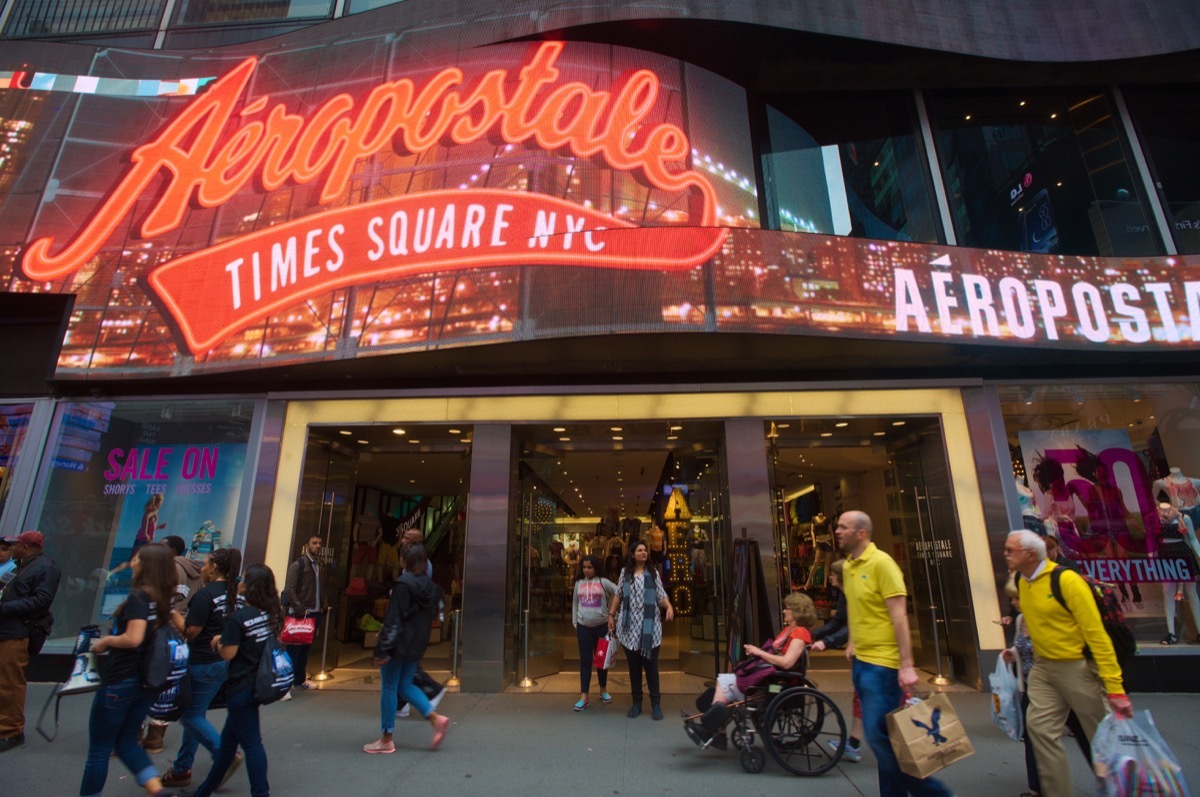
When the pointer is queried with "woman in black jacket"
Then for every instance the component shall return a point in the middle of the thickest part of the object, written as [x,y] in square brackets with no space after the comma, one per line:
[402,643]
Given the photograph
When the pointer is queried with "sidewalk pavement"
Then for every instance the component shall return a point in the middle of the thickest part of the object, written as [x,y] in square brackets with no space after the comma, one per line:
[535,744]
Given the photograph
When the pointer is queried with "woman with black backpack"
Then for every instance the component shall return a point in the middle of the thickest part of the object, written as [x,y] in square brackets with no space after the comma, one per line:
[121,704]
[242,643]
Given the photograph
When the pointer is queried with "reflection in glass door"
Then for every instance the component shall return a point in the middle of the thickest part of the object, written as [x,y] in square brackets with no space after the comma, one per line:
[943,635]
[543,588]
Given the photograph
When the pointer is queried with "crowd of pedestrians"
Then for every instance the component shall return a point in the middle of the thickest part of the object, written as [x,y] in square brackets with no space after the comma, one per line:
[1069,669]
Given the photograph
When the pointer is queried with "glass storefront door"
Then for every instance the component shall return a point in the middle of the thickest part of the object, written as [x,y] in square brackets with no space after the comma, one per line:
[895,470]
[592,489]
[362,487]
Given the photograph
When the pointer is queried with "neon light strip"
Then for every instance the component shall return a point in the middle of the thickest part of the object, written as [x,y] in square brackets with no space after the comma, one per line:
[106,86]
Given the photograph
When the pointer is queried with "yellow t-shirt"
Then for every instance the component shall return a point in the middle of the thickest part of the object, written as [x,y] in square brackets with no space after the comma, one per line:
[869,581]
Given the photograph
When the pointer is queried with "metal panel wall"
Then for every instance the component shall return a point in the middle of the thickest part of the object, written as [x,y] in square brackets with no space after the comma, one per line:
[750,496]
[485,560]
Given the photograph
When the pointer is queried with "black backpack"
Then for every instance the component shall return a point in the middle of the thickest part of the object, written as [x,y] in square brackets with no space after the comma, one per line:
[1109,606]
[275,673]
[165,661]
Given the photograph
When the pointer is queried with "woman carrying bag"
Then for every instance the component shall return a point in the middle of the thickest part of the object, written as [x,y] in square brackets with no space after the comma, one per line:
[242,643]
[639,597]
[121,704]
[589,615]
[402,643]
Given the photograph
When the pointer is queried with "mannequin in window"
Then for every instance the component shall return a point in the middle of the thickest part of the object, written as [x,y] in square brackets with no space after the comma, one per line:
[614,555]
[556,556]
[657,543]
[1178,542]
[571,558]
[821,537]
[368,531]
[1182,492]
[1029,511]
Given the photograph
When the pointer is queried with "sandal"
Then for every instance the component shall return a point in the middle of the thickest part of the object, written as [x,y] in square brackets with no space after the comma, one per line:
[1170,639]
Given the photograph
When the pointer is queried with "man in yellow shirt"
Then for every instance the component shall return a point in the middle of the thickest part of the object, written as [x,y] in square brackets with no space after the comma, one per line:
[1063,679]
[880,648]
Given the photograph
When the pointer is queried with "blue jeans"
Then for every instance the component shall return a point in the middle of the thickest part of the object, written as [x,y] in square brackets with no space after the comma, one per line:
[588,636]
[197,730]
[397,678]
[241,727]
[116,723]
[879,692]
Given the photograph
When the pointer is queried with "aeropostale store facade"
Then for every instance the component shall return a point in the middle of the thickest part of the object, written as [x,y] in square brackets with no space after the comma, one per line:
[278,261]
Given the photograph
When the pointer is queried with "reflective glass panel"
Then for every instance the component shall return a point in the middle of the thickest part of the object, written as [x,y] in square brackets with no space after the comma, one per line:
[1045,172]
[848,166]
[1168,124]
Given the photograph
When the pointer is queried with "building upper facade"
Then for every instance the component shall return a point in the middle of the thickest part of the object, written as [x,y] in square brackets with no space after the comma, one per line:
[221,195]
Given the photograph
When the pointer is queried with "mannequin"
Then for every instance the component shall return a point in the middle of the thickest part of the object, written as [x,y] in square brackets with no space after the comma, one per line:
[368,531]
[822,542]
[1183,493]
[615,555]
[697,537]
[657,543]
[1029,512]
[1178,542]
[571,559]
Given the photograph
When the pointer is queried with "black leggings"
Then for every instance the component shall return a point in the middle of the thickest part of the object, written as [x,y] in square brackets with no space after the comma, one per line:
[639,661]
[588,637]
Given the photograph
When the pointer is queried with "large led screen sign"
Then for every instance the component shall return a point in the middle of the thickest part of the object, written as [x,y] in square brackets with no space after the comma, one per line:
[236,210]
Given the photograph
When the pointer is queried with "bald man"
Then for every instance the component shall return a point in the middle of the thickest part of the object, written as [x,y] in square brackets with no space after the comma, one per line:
[880,648]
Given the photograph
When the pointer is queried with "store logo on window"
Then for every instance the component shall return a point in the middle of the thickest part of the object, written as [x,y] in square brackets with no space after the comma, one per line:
[218,146]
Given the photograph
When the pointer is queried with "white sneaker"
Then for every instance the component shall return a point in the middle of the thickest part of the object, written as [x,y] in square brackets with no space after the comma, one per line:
[404,711]
[851,754]
[288,696]
[433,701]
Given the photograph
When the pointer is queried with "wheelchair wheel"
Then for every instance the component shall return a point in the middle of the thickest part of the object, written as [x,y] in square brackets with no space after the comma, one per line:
[753,760]
[805,733]
[738,737]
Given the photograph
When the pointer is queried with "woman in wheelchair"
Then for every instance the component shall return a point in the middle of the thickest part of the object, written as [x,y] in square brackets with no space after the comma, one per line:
[782,653]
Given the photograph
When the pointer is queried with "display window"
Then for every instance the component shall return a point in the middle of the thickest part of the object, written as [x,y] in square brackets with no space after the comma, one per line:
[14,421]
[1112,472]
[118,475]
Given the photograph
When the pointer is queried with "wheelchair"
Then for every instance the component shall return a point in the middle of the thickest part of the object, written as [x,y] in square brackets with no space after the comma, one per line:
[800,727]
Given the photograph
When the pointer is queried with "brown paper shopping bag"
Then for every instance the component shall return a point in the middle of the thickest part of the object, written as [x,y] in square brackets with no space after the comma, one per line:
[928,736]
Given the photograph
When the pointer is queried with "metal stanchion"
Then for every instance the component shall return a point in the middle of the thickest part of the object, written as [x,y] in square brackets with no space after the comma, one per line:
[454,679]
[526,682]
[324,675]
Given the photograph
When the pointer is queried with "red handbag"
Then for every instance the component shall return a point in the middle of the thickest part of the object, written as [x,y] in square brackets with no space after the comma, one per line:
[298,631]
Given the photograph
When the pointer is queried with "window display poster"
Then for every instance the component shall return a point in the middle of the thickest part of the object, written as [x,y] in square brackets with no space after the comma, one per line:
[167,489]
[1094,493]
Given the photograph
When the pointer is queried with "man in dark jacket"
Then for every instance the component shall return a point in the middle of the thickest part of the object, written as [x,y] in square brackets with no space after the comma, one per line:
[303,596]
[25,603]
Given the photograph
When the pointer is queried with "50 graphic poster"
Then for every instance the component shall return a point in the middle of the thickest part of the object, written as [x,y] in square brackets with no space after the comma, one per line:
[167,489]
[1095,494]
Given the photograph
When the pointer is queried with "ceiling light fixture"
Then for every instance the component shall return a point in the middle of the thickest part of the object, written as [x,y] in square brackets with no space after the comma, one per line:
[842,424]
[899,423]
[455,431]
[396,431]
[346,432]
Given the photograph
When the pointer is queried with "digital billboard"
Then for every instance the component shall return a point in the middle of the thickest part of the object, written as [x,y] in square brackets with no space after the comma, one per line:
[252,207]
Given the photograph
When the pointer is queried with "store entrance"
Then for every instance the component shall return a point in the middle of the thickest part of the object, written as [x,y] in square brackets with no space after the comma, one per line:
[363,487]
[591,489]
[895,470]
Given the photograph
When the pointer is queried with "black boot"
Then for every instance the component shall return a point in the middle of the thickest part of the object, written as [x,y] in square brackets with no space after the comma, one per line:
[635,710]
[656,707]
[715,718]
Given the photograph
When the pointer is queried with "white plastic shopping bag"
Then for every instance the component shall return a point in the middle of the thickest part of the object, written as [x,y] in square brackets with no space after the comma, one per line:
[1131,758]
[1006,699]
